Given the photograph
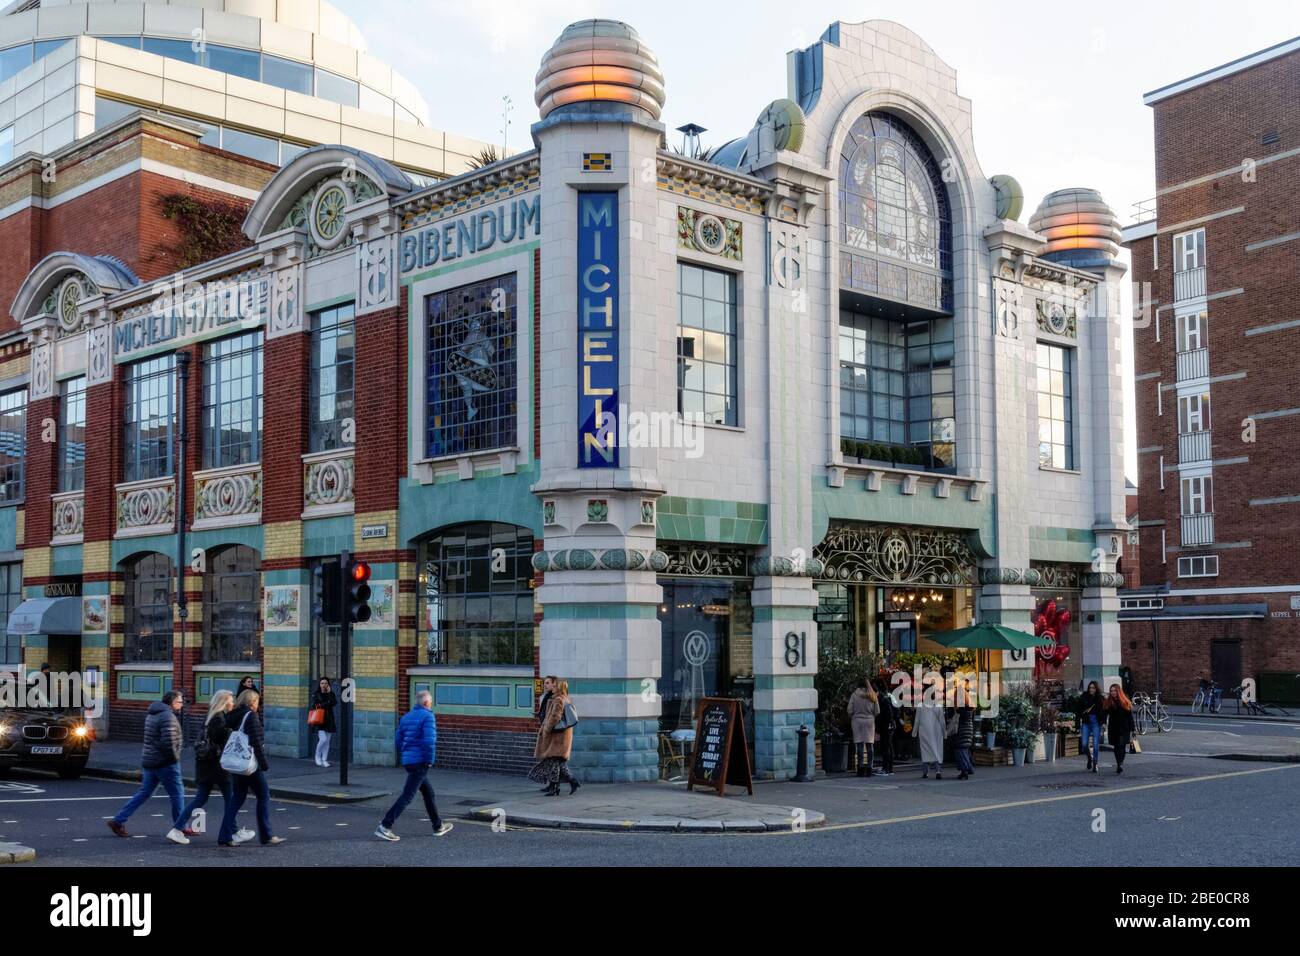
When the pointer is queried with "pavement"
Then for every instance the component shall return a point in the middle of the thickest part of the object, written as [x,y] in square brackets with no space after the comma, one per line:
[664,806]
[16,853]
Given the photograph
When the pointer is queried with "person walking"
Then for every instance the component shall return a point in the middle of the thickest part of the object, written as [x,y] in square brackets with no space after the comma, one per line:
[159,763]
[965,739]
[323,702]
[1090,717]
[543,703]
[245,718]
[930,728]
[864,706]
[555,743]
[886,724]
[416,741]
[1119,723]
[208,773]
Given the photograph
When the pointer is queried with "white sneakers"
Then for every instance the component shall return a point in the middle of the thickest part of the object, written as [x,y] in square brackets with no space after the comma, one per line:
[176,836]
[384,833]
[243,836]
[442,830]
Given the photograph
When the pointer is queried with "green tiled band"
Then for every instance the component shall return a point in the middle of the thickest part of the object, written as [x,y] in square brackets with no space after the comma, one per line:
[592,612]
[589,685]
[706,519]
[765,613]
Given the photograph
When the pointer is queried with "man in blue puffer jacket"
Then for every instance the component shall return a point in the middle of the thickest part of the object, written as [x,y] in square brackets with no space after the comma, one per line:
[416,740]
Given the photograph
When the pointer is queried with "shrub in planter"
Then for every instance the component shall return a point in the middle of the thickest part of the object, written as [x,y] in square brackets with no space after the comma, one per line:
[1020,739]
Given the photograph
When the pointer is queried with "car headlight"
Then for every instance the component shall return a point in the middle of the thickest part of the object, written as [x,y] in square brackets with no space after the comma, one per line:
[79,731]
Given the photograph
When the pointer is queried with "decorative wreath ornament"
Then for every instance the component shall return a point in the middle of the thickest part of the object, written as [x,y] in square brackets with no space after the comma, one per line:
[1052,623]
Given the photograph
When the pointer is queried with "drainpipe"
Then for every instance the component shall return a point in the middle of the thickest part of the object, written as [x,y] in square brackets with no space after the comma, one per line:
[182,441]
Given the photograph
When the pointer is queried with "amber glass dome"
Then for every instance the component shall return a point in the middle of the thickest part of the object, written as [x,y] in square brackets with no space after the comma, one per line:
[599,61]
[1081,230]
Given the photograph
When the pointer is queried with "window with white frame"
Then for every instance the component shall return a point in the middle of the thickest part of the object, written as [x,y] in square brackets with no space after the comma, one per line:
[1189,250]
[72,435]
[150,419]
[232,401]
[1193,331]
[13,443]
[1194,413]
[1198,495]
[1199,566]
[1055,407]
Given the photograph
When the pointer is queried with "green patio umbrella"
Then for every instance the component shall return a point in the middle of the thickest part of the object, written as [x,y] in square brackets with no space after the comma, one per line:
[990,637]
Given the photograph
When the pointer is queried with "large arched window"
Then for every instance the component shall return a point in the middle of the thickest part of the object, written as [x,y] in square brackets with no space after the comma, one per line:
[231,591]
[147,609]
[477,600]
[896,230]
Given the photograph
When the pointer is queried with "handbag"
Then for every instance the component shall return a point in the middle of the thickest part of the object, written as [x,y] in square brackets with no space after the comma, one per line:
[568,719]
[238,756]
[316,717]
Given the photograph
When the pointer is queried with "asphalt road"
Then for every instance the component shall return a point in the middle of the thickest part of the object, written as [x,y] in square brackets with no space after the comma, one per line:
[1240,727]
[1162,811]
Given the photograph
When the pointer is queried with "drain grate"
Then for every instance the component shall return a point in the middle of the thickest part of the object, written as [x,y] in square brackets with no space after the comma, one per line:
[1069,786]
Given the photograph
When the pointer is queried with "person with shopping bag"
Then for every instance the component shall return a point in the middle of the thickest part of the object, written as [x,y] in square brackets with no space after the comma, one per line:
[555,743]
[320,718]
[208,773]
[244,758]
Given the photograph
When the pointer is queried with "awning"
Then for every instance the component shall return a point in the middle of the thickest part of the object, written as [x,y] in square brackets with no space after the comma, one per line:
[47,616]
[1193,612]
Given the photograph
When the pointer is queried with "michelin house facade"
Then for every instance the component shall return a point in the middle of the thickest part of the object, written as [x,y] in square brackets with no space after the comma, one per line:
[666,425]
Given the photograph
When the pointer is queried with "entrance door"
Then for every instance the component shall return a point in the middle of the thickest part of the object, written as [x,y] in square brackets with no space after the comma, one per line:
[324,658]
[1225,663]
[64,654]
[694,648]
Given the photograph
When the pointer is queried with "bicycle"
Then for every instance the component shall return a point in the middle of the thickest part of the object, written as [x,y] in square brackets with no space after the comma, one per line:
[1150,711]
[1208,697]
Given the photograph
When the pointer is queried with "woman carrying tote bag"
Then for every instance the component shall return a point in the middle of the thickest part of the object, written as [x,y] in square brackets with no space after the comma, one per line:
[245,759]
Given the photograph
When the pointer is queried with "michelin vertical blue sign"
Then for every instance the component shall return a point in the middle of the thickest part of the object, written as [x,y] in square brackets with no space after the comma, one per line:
[597,330]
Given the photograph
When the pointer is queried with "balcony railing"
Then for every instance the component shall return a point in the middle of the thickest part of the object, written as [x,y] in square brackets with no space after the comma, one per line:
[1198,529]
[1194,446]
[1193,364]
[1189,284]
[1144,211]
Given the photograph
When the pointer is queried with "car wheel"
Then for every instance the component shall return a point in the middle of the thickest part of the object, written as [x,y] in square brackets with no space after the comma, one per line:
[70,773]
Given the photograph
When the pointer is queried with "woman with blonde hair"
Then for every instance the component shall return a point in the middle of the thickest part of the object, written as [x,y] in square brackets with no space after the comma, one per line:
[244,717]
[555,742]
[207,763]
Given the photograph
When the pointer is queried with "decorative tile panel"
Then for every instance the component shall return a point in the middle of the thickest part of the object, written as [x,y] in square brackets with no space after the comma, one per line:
[69,509]
[327,485]
[146,507]
[228,496]
[705,232]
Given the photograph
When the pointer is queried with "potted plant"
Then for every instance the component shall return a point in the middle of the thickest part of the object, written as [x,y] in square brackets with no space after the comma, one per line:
[1047,720]
[989,727]
[1020,740]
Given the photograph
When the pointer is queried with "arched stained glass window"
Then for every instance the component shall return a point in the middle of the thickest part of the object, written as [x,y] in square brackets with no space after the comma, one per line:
[896,229]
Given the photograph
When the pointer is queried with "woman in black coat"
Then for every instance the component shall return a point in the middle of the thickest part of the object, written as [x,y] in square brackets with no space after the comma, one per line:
[885,725]
[1119,724]
[1091,707]
[208,774]
[323,697]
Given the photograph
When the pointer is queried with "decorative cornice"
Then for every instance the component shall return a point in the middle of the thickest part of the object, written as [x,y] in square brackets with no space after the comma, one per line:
[523,166]
[609,559]
[776,566]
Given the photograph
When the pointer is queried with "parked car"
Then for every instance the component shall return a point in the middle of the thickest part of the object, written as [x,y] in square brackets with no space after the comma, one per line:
[48,739]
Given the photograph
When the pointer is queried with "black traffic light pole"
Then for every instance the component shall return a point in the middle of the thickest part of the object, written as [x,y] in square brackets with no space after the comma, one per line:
[345,666]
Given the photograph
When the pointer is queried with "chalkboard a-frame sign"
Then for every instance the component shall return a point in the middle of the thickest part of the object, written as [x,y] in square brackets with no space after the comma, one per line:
[721,754]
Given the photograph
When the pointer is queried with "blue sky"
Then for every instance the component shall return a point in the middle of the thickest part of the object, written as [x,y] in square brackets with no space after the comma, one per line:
[1056,88]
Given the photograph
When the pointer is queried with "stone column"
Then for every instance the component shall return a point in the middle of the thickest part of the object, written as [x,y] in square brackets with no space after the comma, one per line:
[785,662]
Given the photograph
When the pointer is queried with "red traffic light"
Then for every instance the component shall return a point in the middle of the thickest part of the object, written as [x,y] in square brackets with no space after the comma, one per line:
[360,571]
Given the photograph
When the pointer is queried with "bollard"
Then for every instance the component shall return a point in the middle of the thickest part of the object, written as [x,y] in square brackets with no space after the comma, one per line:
[801,768]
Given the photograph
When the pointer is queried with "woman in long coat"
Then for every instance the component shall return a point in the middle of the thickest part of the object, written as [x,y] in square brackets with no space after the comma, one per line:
[863,708]
[1119,723]
[930,727]
[555,743]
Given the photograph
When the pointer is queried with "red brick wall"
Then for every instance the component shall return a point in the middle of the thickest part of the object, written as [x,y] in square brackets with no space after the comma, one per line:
[1185,649]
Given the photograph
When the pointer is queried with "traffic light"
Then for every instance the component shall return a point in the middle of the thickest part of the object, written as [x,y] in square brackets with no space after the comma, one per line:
[358,591]
[329,592]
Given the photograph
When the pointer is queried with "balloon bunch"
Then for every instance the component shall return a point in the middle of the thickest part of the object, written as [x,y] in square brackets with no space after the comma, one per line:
[1052,623]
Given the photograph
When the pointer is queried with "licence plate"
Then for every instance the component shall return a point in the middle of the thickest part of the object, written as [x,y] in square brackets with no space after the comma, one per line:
[46,751]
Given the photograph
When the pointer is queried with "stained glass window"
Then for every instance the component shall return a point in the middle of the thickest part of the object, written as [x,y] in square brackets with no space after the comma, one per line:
[472,400]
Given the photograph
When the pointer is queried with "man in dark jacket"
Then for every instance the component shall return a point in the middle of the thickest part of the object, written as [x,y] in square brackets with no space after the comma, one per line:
[416,741]
[160,761]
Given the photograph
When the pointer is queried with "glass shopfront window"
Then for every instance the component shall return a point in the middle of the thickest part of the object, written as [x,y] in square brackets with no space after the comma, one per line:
[147,610]
[708,645]
[868,619]
[476,595]
[232,590]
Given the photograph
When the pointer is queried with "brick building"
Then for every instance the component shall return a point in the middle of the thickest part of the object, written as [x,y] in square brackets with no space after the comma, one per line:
[1217,267]
[668,426]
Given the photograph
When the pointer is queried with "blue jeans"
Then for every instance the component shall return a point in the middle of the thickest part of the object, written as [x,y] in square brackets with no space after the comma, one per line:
[262,790]
[417,778]
[201,794]
[169,778]
[1090,737]
[963,760]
